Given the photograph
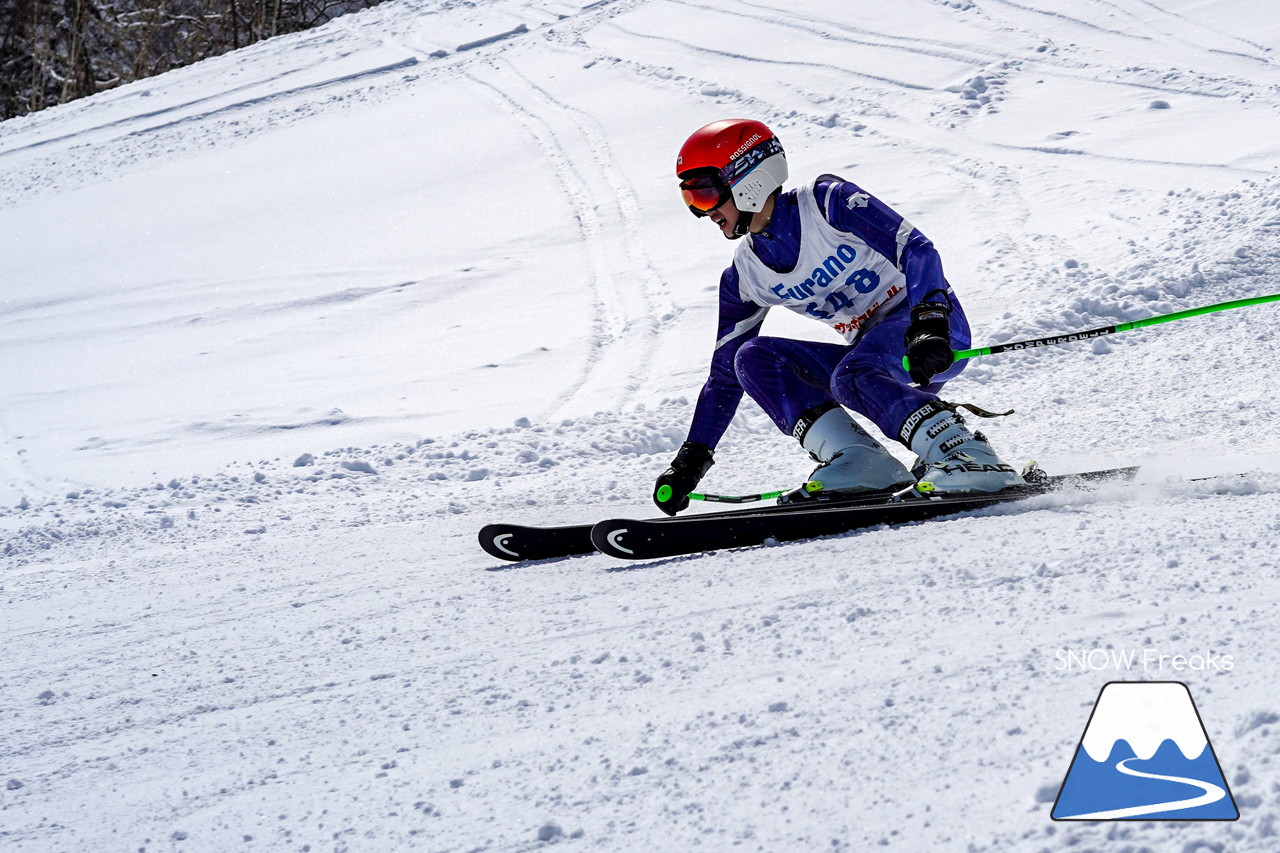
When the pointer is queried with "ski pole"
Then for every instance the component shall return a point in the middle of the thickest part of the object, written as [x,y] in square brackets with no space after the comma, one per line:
[809,487]
[666,493]
[735,499]
[1071,337]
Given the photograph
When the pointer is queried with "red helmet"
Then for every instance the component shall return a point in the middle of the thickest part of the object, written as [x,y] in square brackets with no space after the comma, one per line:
[738,158]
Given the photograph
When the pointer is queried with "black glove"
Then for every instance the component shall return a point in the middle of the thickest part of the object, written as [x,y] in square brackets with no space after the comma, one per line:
[671,492]
[928,341]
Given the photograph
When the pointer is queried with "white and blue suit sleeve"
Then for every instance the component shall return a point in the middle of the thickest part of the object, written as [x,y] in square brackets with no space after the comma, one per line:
[739,322]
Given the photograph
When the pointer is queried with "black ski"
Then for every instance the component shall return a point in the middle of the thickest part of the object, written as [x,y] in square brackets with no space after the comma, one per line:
[644,540]
[516,542]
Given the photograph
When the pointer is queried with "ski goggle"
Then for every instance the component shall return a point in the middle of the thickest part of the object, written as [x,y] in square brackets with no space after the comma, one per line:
[704,193]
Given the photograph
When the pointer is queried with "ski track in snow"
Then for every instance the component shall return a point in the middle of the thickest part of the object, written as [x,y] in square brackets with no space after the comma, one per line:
[702,51]
[608,323]
[626,315]
[827,29]
[294,642]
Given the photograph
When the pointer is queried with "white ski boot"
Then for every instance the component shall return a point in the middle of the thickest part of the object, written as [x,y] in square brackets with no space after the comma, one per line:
[953,460]
[850,460]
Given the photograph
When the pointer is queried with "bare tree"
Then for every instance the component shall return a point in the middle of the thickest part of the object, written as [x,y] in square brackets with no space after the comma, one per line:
[53,51]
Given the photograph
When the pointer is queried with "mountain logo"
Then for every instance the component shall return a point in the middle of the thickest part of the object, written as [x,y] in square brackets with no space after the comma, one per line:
[1145,755]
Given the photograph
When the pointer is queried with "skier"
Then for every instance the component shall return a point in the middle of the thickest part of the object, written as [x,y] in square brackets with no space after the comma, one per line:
[833,252]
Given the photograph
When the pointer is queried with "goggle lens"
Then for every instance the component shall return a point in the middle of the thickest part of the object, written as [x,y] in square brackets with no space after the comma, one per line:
[704,194]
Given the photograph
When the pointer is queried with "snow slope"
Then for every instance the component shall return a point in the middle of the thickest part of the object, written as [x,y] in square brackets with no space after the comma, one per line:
[282,330]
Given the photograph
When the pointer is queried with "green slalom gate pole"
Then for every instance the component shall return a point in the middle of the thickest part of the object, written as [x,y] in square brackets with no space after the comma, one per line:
[1072,337]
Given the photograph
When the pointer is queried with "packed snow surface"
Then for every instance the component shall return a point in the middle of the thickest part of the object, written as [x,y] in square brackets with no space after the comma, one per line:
[282,330]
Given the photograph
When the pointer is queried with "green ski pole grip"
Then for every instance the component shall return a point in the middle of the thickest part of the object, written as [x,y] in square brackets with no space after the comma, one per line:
[664,494]
[955,354]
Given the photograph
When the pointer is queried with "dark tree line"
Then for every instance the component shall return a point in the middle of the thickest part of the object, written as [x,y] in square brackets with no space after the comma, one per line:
[53,51]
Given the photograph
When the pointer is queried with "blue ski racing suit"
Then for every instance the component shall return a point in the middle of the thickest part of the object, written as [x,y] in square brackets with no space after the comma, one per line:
[837,254]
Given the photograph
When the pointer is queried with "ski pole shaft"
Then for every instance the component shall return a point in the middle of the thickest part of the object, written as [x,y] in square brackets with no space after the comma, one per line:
[734,499]
[665,494]
[1071,337]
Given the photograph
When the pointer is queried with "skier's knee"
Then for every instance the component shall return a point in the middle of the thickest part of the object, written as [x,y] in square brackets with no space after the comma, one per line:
[750,356]
[849,383]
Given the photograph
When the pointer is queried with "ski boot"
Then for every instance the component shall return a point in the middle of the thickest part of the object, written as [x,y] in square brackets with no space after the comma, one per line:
[953,460]
[849,460]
